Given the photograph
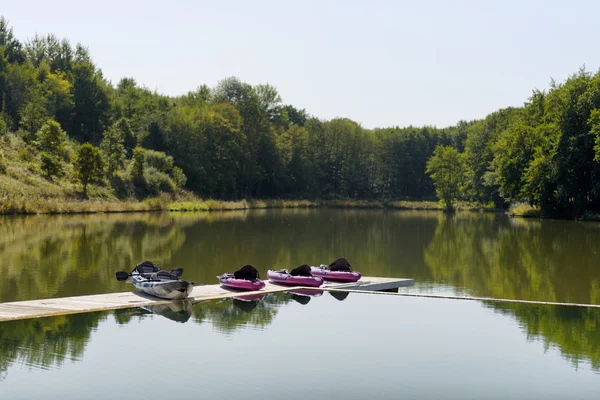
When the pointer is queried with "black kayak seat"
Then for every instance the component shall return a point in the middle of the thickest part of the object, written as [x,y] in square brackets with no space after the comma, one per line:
[160,276]
[303,270]
[150,271]
[165,275]
[147,267]
[341,264]
[247,272]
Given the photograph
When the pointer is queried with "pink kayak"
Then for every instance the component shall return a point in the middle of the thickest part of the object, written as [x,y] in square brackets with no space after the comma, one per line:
[339,276]
[284,278]
[228,280]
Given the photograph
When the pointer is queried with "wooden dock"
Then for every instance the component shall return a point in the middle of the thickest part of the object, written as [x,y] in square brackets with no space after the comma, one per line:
[112,301]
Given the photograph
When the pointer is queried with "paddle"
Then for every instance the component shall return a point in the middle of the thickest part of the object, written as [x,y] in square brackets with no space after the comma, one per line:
[122,275]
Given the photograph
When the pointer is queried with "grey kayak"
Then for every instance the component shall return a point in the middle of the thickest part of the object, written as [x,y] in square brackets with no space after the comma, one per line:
[171,289]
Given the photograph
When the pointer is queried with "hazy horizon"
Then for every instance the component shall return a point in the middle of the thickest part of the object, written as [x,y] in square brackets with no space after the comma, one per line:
[378,63]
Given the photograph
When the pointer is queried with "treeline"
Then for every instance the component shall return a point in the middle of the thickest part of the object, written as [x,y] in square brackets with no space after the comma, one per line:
[231,141]
[545,153]
[236,140]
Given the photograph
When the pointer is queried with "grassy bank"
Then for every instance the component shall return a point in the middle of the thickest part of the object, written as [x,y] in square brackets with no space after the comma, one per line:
[18,204]
[524,210]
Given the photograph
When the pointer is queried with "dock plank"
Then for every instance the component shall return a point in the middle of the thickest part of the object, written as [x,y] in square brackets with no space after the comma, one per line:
[111,301]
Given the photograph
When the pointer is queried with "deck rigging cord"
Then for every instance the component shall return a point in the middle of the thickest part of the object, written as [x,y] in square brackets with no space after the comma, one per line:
[453,297]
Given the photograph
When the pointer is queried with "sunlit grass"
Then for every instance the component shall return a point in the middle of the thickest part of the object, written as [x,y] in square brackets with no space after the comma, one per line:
[524,210]
[48,202]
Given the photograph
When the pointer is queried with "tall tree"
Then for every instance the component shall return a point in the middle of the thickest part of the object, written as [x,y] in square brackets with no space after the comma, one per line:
[245,99]
[13,48]
[89,165]
[113,149]
[447,169]
[51,138]
[57,92]
[20,85]
[51,165]
[34,114]
[91,104]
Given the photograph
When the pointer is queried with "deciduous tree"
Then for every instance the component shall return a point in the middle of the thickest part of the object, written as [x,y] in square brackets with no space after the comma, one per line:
[447,169]
[89,165]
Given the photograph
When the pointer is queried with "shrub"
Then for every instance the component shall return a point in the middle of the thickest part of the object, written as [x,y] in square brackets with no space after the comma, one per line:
[26,153]
[3,127]
[122,184]
[51,165]
[138,163]
[33,114]
[157,181]
[89,165]
[113,149]
[159,160]
[178,177]
[51,138]
[2,163]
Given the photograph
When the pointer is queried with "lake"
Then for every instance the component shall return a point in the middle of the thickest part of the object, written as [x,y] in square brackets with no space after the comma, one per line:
[480,254]
[287,345]
[350,347]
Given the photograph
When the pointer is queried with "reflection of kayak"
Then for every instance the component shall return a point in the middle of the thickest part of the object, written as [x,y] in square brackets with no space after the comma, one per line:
[339,276]
[285,278]
[341,296]
[251,297]
[307,292]
[178,312]
[303,296]
[249,302]
[301,299]
[228,280]
[245,306]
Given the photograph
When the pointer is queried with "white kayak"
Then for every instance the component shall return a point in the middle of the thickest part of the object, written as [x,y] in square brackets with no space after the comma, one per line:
[148,278]
[163,287]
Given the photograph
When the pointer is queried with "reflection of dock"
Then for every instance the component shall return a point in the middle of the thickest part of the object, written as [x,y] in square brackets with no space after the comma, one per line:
[111,301]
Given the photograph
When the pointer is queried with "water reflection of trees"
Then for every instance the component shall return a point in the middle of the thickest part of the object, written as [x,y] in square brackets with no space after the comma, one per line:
[232,314]
[482,254]
[491,255]
[378,243]
[53,256]
[48,342]
[45,342]
[574,331]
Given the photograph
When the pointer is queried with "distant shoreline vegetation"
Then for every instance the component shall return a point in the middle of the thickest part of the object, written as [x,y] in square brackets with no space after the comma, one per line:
[71,141]
[190,203]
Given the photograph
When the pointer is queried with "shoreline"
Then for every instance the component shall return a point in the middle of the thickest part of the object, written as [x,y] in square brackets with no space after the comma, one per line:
[188,203]
[165,203]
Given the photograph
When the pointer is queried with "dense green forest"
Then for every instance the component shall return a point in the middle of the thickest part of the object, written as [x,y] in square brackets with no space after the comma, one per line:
[61,119]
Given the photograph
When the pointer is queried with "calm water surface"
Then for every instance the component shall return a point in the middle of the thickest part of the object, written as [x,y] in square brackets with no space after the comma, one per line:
[471,253]
[291,346]
[352,347]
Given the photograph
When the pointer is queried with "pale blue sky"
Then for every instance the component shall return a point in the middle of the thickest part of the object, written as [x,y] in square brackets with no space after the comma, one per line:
[380,63]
